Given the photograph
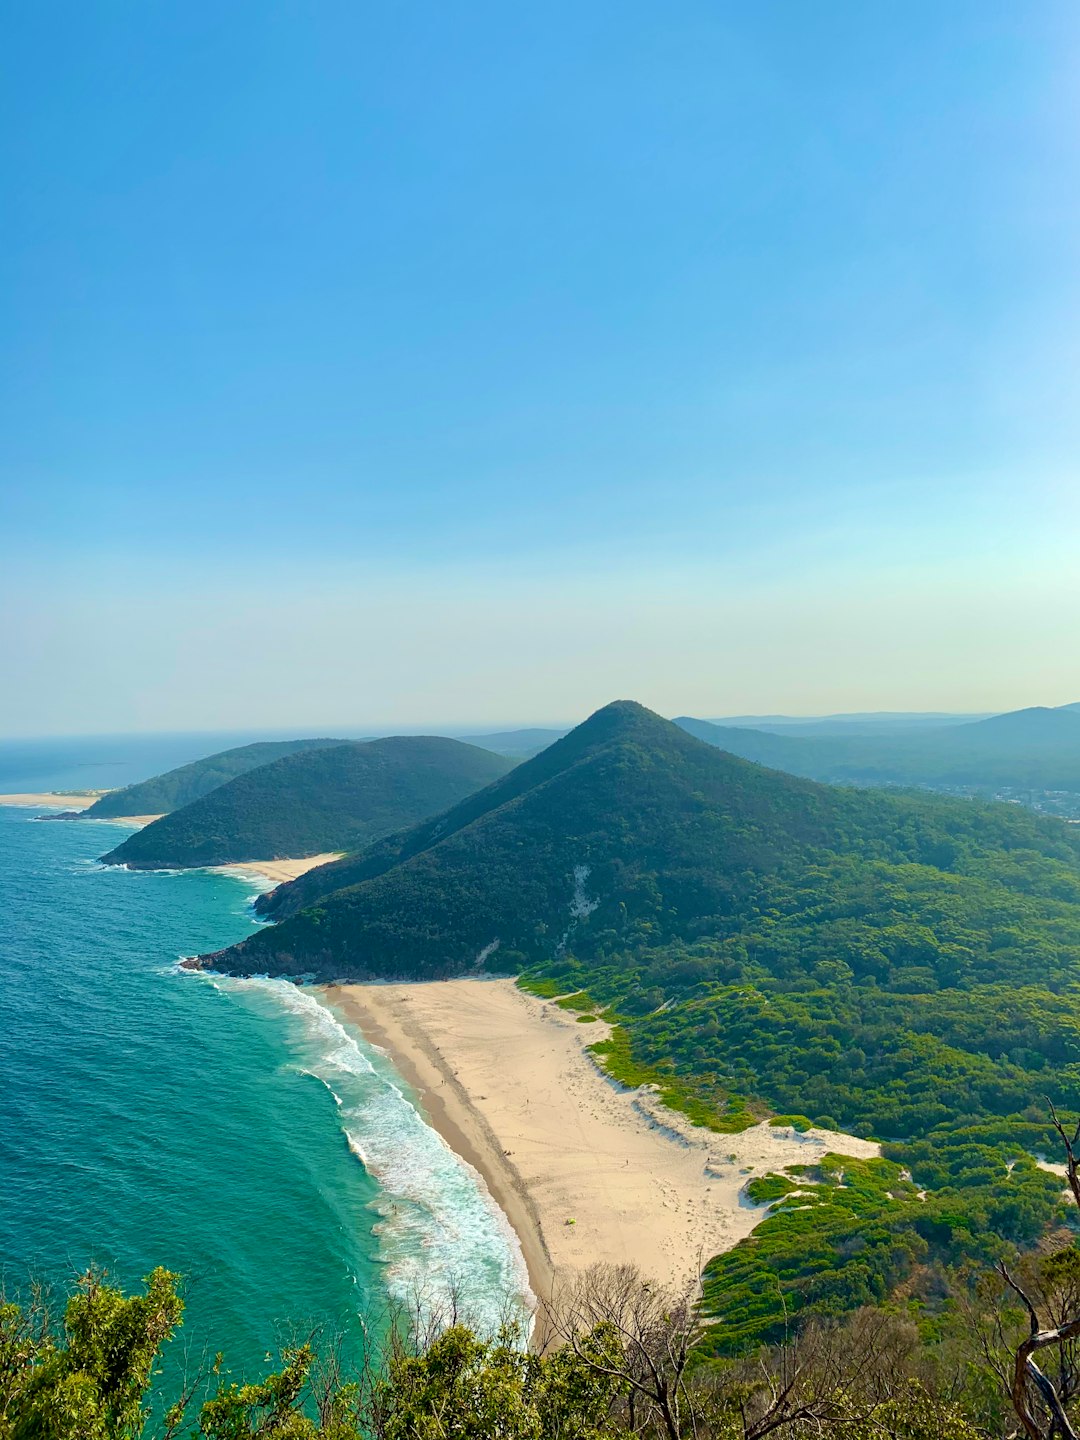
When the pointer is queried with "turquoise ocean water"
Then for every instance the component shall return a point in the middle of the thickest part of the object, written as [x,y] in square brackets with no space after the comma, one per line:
[235,1131]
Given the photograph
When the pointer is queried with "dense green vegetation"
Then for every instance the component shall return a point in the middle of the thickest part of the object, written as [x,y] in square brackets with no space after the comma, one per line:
[900,966]
[108,1366]
[336,798]
[190,782]
[1035,749]
[629,833]
[905,967]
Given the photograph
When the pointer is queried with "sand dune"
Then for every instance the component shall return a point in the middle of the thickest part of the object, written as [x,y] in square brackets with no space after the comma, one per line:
[506,1080]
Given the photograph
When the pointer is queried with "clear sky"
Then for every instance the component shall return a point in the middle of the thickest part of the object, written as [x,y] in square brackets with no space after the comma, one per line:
[448,363]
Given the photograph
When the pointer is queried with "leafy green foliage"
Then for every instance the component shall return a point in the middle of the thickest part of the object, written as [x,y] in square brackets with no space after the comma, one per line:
[91,1382]
[765,1188]
[495,1388]
[335,798]
[580,1000]
[627,1367]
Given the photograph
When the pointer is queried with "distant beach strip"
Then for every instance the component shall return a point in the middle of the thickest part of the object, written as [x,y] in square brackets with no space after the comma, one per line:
[275,872]
[79,800]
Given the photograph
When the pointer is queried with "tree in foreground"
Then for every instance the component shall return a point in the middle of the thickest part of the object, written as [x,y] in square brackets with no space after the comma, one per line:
[624,1365]
[623,1359]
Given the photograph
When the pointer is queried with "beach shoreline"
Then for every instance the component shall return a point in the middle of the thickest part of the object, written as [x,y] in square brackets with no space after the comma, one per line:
[448,1108]
[277,872]
[272,872]
[52,799]
[62,800]
[585,1170]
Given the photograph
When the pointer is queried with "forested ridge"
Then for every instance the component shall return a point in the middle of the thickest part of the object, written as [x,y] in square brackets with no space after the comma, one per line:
[340,797]
[181,786]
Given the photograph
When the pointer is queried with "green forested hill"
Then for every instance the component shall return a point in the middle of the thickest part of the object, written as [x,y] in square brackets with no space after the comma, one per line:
[904,966]
[175,788]
[337,798]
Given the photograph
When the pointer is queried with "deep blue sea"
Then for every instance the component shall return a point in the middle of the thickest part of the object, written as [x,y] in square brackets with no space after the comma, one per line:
[234,1131]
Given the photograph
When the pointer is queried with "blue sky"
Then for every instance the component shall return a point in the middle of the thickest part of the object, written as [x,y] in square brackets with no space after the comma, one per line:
[421,362]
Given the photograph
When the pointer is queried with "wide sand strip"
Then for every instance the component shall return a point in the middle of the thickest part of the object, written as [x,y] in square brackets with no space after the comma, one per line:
[507,1082]
[57,799]
[276,870]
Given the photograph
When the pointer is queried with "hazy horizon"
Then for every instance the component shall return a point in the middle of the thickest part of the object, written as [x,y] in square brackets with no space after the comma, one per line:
[464,729]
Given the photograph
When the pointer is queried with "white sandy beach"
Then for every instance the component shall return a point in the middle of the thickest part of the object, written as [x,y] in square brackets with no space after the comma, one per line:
[276,870]
[506,1080]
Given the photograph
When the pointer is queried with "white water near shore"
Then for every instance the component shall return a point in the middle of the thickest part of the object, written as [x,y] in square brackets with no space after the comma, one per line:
[439,1230]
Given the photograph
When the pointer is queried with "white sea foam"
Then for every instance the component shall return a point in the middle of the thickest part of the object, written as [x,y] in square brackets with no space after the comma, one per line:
[439,1230]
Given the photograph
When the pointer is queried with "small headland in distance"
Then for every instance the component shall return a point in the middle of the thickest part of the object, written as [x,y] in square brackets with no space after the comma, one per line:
[70,805]
[585,1169]
[313,802]
[161,794]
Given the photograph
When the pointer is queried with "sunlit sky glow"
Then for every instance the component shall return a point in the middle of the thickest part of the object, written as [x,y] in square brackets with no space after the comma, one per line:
[477,364]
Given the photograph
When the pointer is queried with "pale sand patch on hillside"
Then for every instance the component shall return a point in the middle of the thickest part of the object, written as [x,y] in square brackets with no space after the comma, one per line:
[276,870]
[505,1079]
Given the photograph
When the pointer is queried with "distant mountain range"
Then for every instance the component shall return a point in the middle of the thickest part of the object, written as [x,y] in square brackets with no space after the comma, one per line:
[333,797]
[293,803]
[518,743]
[1013,755]
[880,722]
[1024,750]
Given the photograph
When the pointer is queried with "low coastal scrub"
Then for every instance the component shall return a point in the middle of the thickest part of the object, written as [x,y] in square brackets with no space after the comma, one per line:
[766,1188]
[621,1360]
[538,986]
[727,1116]
[581,1000]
